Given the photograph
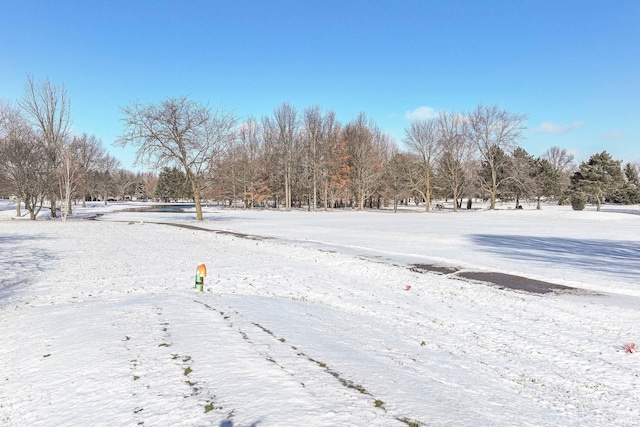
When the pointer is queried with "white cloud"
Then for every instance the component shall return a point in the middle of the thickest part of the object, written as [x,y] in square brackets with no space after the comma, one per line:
[612,134]
[421,113]
[548,127]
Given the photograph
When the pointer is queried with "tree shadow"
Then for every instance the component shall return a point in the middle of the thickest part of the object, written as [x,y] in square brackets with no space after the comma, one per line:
[20,259]
[229,423]
[621,258]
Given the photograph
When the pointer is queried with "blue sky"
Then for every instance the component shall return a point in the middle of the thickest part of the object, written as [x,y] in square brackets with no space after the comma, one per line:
[573,67]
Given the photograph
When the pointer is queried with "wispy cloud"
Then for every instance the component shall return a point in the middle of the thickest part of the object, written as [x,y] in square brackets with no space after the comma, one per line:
[421,113]
[612,134]
[549,127]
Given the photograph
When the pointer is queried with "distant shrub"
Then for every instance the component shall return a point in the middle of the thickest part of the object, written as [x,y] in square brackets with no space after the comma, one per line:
[578,201]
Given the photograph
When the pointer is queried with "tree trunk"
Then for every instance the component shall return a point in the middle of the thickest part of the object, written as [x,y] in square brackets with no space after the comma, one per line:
[315,190]
[53,207]
[494,188]
[326,195]
[427,193]
[196,199]
[287,189]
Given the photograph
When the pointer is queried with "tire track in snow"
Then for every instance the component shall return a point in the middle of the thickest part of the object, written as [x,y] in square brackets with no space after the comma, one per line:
[304,368]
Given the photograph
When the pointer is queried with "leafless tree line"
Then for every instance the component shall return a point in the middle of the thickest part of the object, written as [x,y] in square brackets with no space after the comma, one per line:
[288,159]
[42,159]
[311,159]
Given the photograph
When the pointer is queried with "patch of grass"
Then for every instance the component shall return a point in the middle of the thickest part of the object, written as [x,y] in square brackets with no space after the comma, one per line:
[422,344]
[164,344]
[174,356]
[282,340]
[265,329]
[410,423]
[378,403]
[191,383]
[208,407]
[136,377]
[186,358]
[187,371]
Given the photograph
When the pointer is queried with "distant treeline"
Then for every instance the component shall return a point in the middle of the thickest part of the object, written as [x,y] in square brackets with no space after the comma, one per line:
[290,159]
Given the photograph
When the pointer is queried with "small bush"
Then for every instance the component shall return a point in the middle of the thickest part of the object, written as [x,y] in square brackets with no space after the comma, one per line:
[578,201]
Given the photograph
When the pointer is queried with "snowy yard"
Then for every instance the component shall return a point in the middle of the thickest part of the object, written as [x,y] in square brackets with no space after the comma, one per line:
[319,319]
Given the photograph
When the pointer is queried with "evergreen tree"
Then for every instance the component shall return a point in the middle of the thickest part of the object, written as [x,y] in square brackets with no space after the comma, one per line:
[629,193]
[600,178]
[547,180]
[173,185]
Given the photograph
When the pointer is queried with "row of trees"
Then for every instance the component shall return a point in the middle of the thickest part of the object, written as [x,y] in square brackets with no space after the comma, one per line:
[42,159]
[312,159]
[289,159]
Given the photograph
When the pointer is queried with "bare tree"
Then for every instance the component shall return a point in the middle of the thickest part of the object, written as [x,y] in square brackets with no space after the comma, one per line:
[48,108]
[11,123]
[396,185]
[422,140]
[124,181]
[238,169]
[313,138]
[88,153]
[336,170]
[320,133]
[252,178]
[492,131]
[563,165]
[104,177]
[180,132]
[455,149]
[287,136]
[329,159]
[70,175]
[365,144]
[23,160]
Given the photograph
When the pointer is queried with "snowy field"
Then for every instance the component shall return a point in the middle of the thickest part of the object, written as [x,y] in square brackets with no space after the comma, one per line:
[319,319]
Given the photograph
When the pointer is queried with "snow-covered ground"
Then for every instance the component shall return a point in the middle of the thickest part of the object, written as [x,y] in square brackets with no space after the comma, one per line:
[317,319]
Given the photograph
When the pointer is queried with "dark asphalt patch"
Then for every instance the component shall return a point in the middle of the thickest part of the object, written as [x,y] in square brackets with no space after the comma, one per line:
[519,283]
[433,268]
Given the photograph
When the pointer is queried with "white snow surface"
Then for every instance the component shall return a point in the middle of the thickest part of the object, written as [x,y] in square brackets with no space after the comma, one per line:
[307,319]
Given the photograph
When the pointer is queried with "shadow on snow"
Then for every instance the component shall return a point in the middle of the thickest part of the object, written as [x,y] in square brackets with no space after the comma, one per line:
[617,257]
[20,258]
